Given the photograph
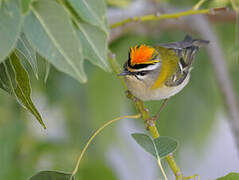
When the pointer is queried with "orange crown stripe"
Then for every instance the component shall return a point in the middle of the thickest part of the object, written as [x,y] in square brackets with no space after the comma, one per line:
[141,54]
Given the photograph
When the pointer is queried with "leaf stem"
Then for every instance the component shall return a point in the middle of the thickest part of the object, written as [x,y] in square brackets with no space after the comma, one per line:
[157,16]
[95,134]
[161,168]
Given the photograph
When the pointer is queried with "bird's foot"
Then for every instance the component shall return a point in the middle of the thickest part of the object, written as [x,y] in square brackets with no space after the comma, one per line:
[131,96]
[150,122]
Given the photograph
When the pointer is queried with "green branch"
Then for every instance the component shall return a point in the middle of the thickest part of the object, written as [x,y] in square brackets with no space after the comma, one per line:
[156,17]
[150,125]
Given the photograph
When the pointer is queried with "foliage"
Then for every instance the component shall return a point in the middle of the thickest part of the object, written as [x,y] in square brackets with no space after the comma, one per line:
[159,147]
[64,33]
[19,85]
[230,176]
[11,22]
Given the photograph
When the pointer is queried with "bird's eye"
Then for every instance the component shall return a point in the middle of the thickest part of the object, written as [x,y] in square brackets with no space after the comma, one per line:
[142,73]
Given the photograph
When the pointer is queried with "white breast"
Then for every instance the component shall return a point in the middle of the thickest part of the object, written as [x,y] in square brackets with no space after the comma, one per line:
[145,93]
[166,92]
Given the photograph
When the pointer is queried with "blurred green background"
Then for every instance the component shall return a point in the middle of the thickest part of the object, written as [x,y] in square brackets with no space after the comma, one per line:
[72,112]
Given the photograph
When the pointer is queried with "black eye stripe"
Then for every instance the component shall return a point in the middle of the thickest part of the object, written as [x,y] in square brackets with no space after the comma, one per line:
[142,73]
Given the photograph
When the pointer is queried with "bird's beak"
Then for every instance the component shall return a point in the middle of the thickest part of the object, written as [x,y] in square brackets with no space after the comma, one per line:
[124,73]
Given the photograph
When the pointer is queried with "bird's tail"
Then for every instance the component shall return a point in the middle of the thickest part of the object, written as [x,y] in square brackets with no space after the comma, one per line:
[189,48]
[189,41]
[186,49]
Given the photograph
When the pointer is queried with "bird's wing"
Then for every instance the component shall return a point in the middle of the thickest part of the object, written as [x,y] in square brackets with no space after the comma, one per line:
[185,51]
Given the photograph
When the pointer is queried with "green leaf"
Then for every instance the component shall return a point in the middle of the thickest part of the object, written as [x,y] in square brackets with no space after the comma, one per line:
[15,80]
[4,79]
[165,145]
[92,11]
[51,32]
[159,147]
[25,5]
[11,20]
[23,88]
[94,42]
[145,142]
[230,176]
[24,50]
[51,175]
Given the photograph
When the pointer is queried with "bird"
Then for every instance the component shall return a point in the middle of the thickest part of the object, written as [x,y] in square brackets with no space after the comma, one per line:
[160,72]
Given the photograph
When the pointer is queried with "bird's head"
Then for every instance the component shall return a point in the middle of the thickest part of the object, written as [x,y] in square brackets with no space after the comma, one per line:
[142,61]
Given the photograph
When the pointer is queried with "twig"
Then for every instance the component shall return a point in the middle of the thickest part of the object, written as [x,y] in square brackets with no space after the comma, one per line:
[95,134]
[157,16]
[140,8]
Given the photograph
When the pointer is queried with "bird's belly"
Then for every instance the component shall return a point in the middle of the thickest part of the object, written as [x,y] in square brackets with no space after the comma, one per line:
[145,93]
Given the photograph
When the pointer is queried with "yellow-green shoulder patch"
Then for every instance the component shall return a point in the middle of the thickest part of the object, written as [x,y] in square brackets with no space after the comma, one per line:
[169,65]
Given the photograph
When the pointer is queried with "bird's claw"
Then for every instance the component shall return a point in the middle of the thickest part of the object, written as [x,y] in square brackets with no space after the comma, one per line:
[130,96]
[150,122]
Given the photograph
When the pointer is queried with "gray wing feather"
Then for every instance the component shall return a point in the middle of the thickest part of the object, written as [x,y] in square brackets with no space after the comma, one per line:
[186,51]
[186,43]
